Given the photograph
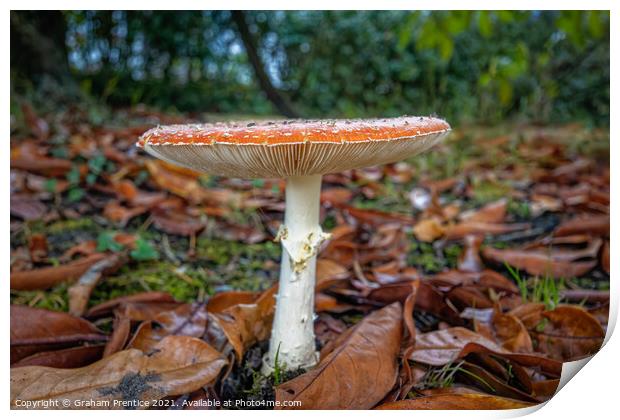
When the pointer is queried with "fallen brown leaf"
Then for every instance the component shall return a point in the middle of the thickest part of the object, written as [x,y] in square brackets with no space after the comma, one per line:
[223,300]
[27,208]
[335,196]
[538,263]
[44,278]
[438,348]
[491,213]
[180,184]
[176,223]
[428,230]
[465,228]
[328,272]
[486,280]
[428,299]
[327,303]
[37,125]
[31,157]
[468,297]
[121,215]
[588,296]
[185,320]
[37,246]
[73,357]
[571,333]
[248,234]
[375,217]
[358,372]
[177,365]
[595,225]
[79,293]
[109,306]
[483,379]
[511,333]
[605,257]
[126,190]
[34,330]
[245,324]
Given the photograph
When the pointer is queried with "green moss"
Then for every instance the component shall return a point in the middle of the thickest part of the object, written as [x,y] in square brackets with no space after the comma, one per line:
[488,191]
[451,253]
[329,223]
[82,224]
[55,299]
[217,264]
[183,283]
[520,209]
[422,256]
[240,266]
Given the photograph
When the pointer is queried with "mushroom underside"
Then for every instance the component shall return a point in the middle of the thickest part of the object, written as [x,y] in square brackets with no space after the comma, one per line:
[285,160]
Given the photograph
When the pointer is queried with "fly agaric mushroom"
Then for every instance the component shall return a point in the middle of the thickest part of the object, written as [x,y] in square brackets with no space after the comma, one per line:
[301,152]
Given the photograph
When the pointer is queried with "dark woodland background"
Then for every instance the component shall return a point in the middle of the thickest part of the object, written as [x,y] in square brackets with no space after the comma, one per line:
[478,66]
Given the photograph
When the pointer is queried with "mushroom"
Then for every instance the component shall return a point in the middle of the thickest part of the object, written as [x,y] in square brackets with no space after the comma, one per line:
[300,151]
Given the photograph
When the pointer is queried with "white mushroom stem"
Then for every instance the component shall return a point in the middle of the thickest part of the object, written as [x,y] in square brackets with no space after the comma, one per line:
[292,335]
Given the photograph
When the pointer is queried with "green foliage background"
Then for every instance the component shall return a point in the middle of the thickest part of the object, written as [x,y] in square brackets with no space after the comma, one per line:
[465,66]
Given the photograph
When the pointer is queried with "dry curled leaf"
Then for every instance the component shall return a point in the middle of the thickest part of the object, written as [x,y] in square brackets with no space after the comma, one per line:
[34,330]
[27,208]
[571,333]
[605,257]
[358,372]
[538,263]
[428,298]
[223,300]
[79,293]
[438,348]
[335,196]
[491,213]
[245,324]
[177,223]
[180,184]
[68,358]
[428,230]
[185,320]
[469,227]
[485,280]
[328,272]
[121,215]
[32,158]
[177,365]
[109,306]
[595,225]
[375,217]
[44,278]
[456,402]
[511,333]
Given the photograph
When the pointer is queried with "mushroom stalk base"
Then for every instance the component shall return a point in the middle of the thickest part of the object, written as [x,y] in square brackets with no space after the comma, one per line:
[292,335]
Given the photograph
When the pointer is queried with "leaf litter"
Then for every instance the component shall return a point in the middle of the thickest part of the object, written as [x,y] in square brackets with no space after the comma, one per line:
[462,288]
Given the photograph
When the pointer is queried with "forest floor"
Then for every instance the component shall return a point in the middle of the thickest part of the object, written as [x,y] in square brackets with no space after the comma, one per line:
[149,282]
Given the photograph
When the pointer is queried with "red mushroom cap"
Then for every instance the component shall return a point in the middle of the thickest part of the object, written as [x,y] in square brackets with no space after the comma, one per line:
[297,147]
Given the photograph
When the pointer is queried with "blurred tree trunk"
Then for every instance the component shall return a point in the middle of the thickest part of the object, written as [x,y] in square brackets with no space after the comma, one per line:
[38,45]
[276,98]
